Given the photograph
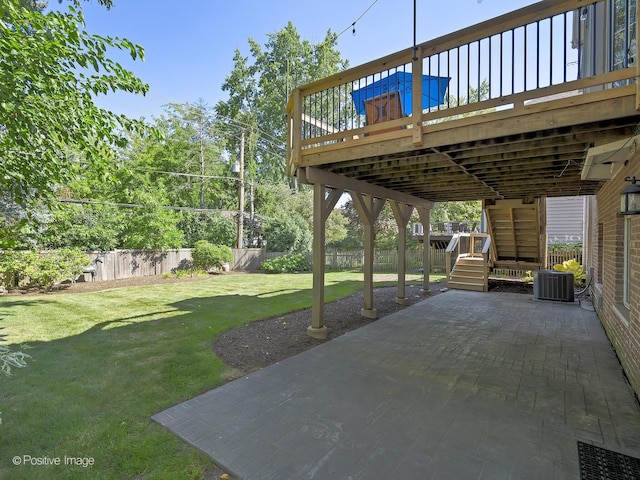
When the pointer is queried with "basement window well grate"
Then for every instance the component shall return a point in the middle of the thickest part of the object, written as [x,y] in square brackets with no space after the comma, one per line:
[601,464]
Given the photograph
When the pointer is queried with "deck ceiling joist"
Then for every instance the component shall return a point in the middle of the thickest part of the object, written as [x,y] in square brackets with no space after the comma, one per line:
[532,163]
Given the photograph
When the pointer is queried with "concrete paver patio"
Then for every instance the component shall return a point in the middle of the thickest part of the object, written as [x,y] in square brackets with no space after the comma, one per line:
[463,385]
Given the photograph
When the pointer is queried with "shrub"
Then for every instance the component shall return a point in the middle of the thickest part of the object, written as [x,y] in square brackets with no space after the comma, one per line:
[566,246]
[571,266]
[30,268]
[286,264]
[16,265]
[287,234]
[207,256]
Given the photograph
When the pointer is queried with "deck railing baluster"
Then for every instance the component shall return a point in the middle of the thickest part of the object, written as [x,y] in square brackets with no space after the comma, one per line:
[519,62]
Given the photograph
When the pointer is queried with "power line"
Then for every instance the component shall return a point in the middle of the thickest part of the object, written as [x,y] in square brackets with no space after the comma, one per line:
[169,207]
[179,174]
[274,141]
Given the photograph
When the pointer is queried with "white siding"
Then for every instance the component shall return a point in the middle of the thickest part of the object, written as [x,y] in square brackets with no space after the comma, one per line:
[565,219]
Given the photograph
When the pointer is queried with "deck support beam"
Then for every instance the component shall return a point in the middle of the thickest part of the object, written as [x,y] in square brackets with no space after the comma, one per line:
[425,219]
[369,207]
[402,213]
[323,204]
[368,200]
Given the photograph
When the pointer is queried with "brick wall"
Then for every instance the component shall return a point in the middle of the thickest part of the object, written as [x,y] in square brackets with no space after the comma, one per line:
[622,324]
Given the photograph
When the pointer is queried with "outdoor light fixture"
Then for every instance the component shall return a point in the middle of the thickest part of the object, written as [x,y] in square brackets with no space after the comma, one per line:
[630,198]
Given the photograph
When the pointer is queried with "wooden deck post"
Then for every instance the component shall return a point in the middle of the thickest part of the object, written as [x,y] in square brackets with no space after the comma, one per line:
[402,213]
[368,208]
[425,219]
[322,206]
[416,107]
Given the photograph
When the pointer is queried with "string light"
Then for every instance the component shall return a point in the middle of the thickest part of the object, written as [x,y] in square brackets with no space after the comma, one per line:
[353,25]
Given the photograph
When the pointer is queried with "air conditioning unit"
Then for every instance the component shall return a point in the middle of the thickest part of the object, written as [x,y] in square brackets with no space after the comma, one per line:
[553,285]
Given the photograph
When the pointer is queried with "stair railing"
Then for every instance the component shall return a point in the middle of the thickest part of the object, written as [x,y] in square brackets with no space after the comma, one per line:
[486,249]
[451,253]
[468,245]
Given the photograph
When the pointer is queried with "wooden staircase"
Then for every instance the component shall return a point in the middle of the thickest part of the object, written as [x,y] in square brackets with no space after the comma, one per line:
[469,273]
[516,242]
[518,233]
[470,252]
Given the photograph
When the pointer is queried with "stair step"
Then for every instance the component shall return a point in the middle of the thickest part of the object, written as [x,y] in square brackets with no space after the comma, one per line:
[479,269]
[471,275]
[477,287]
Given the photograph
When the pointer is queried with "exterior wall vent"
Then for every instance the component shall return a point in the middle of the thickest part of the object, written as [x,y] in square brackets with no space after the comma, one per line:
[553,285]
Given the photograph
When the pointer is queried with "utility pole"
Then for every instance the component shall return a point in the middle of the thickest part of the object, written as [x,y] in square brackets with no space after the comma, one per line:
[241,192]
[202,161]
[251,215]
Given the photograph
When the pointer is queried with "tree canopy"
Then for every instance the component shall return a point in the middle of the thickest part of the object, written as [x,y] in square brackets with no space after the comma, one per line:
[52,70]
[259,86]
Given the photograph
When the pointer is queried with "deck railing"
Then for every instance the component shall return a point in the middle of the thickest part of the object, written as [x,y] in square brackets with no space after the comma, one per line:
[545,52]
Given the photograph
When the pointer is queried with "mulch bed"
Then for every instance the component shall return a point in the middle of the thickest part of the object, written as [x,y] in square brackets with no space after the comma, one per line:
[265,342]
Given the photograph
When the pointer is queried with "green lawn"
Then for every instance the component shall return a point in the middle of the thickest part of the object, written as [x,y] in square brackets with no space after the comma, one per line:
[104,362]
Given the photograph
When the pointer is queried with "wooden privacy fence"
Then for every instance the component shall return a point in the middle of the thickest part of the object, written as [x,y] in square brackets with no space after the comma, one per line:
[117,264]
[385,261]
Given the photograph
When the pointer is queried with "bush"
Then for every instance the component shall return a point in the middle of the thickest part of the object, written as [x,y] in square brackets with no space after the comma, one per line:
[214,227]
[207,256]
[574,267]
[30,268]
[287,234]
[572,247]
[286,264]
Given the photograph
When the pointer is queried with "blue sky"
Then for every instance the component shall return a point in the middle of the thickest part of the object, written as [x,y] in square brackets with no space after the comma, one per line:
[189,45]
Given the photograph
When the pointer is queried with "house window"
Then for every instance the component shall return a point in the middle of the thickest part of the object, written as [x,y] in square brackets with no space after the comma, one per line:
[623,28]
[626,276]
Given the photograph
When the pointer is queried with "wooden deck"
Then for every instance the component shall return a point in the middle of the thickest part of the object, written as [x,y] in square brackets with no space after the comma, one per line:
[526,135]
[540,102]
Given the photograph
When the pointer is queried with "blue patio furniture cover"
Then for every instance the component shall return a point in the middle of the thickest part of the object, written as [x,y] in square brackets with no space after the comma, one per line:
[433,91]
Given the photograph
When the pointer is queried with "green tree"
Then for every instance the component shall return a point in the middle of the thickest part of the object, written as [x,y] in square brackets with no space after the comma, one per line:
[469,211]
[52,70]
[88,227]
[149,223]
[259,87]
[217,228]
[286,233]
[475,95]
[192,148]
[152,228]
[336,228]
[385,229]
